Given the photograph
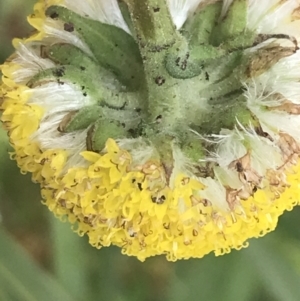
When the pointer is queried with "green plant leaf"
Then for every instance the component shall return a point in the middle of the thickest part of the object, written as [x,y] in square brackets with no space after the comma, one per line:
[22,279]
[225,278]
[68,255]
[280,278]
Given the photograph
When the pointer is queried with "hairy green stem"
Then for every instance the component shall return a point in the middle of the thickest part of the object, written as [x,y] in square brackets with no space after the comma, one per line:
[156,35]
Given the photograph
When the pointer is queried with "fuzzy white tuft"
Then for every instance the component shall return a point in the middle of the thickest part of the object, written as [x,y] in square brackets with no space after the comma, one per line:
[49,137]
[79,145]
[182,164]
[226,5]
[214,192]
[284,77]
[228,177]
[181,9]
[140,151]
[272,16]
[28,58]
[229,148]
[274,122]
[58,100]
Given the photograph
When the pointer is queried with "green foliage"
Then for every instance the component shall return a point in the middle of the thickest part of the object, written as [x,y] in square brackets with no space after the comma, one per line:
[22,279]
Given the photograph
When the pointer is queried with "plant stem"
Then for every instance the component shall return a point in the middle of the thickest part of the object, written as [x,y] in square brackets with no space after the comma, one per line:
[156,35]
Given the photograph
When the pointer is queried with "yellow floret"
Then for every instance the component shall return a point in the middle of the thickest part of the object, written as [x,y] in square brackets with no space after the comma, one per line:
[133,208]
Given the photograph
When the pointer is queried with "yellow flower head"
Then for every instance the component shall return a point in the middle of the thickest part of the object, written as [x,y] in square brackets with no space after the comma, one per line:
[160,126]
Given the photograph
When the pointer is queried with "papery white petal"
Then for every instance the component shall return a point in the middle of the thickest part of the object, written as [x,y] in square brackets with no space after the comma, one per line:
[265,155]
[226,5]
[282,78]
[57,101]
[270,16]
[278,122]
[215,192]
[28,57]
[230,148]
[228,177]
[140,151]
[273,122]
[54,97]
[181,9]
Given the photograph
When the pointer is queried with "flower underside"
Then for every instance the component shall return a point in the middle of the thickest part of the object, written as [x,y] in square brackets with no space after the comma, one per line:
[162,127]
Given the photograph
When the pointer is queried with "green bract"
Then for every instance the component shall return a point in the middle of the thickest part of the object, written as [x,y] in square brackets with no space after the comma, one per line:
[149,84]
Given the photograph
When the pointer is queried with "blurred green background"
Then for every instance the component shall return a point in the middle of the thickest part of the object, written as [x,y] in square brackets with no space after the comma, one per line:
[41,259]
